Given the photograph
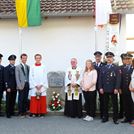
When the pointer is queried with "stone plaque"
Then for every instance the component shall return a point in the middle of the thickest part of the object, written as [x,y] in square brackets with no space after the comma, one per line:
[56,79]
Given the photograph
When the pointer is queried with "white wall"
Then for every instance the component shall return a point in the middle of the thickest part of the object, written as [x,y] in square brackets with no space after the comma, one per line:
[58,40]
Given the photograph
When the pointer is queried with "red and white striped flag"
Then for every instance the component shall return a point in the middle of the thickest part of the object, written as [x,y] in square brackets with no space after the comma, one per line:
[103,9]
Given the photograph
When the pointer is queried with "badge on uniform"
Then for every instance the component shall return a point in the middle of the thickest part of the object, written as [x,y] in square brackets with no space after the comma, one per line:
[112,74]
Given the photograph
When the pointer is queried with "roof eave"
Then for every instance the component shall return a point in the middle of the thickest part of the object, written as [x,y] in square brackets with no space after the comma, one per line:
[46,14]
[71,14]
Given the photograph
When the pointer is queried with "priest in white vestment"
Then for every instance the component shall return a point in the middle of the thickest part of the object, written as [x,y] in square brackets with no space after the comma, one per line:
[73,100]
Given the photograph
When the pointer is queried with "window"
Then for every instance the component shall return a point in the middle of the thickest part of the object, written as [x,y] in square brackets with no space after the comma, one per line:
[130,32]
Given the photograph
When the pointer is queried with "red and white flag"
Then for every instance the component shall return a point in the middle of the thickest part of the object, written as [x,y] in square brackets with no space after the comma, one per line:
[103,9]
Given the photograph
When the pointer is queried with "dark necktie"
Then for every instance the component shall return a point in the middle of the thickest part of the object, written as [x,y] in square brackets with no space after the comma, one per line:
[109,66]
[26,70]
[128,67]
[97,64]
[12,66]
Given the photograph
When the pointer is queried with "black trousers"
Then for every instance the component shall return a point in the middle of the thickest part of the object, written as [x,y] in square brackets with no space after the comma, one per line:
[90,102]
[121,111]
[23,99]
[1,96]
[114,99]
[128,106]
[73,108]
[101,106]
[10,102]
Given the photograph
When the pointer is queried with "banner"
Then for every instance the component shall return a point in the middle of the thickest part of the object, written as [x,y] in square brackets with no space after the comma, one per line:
[113,32]
[28,13]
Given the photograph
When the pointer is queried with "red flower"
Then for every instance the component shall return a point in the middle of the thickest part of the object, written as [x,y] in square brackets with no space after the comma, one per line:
[55,104]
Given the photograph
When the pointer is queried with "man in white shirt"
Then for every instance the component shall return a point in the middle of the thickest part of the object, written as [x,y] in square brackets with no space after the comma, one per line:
[22,80]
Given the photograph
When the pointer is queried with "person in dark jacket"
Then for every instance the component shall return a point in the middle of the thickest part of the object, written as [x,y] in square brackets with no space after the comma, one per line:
[10,85]
[126,72]
[1,81]
[98,64]
[109,84]
[121,110]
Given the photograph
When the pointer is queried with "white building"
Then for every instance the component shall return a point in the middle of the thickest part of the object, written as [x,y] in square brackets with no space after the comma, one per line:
[61,36]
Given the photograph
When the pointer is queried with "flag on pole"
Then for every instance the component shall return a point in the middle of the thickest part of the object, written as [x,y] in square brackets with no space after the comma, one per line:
[102,11]
[28,13]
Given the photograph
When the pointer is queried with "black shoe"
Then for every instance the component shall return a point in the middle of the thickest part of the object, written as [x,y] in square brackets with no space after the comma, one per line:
[79,117]
[13,114]
[104,120]
[73,116]
[8,116]
[101,117]
[116,122]
[1,114]
[131,122]
[18,114]
[125,121]
[120,116]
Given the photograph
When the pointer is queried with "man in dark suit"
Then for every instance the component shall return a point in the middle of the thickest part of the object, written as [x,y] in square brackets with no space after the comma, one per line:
[109,84]
[1,81]
[10,85]
[98,64]
[121,110]
[22,80]
[126,72]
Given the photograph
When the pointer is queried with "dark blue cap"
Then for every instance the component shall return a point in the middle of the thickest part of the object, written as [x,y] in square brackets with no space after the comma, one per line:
[98,53]
[109,54]
[127,56]
[122,55]
[12,57]
[1,56]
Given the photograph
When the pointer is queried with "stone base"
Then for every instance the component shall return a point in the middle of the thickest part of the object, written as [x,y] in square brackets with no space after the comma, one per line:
[56,113]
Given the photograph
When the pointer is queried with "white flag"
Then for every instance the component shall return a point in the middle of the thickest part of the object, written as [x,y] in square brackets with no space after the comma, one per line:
[103,9]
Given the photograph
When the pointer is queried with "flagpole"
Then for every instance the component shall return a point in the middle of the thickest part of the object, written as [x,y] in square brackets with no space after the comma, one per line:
[20,40]
[96,47]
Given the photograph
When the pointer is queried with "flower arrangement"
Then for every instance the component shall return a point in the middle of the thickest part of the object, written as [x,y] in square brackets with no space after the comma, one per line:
[55,102]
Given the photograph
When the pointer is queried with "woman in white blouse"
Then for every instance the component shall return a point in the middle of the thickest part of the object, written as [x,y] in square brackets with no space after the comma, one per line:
[131,87]
[88,84]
